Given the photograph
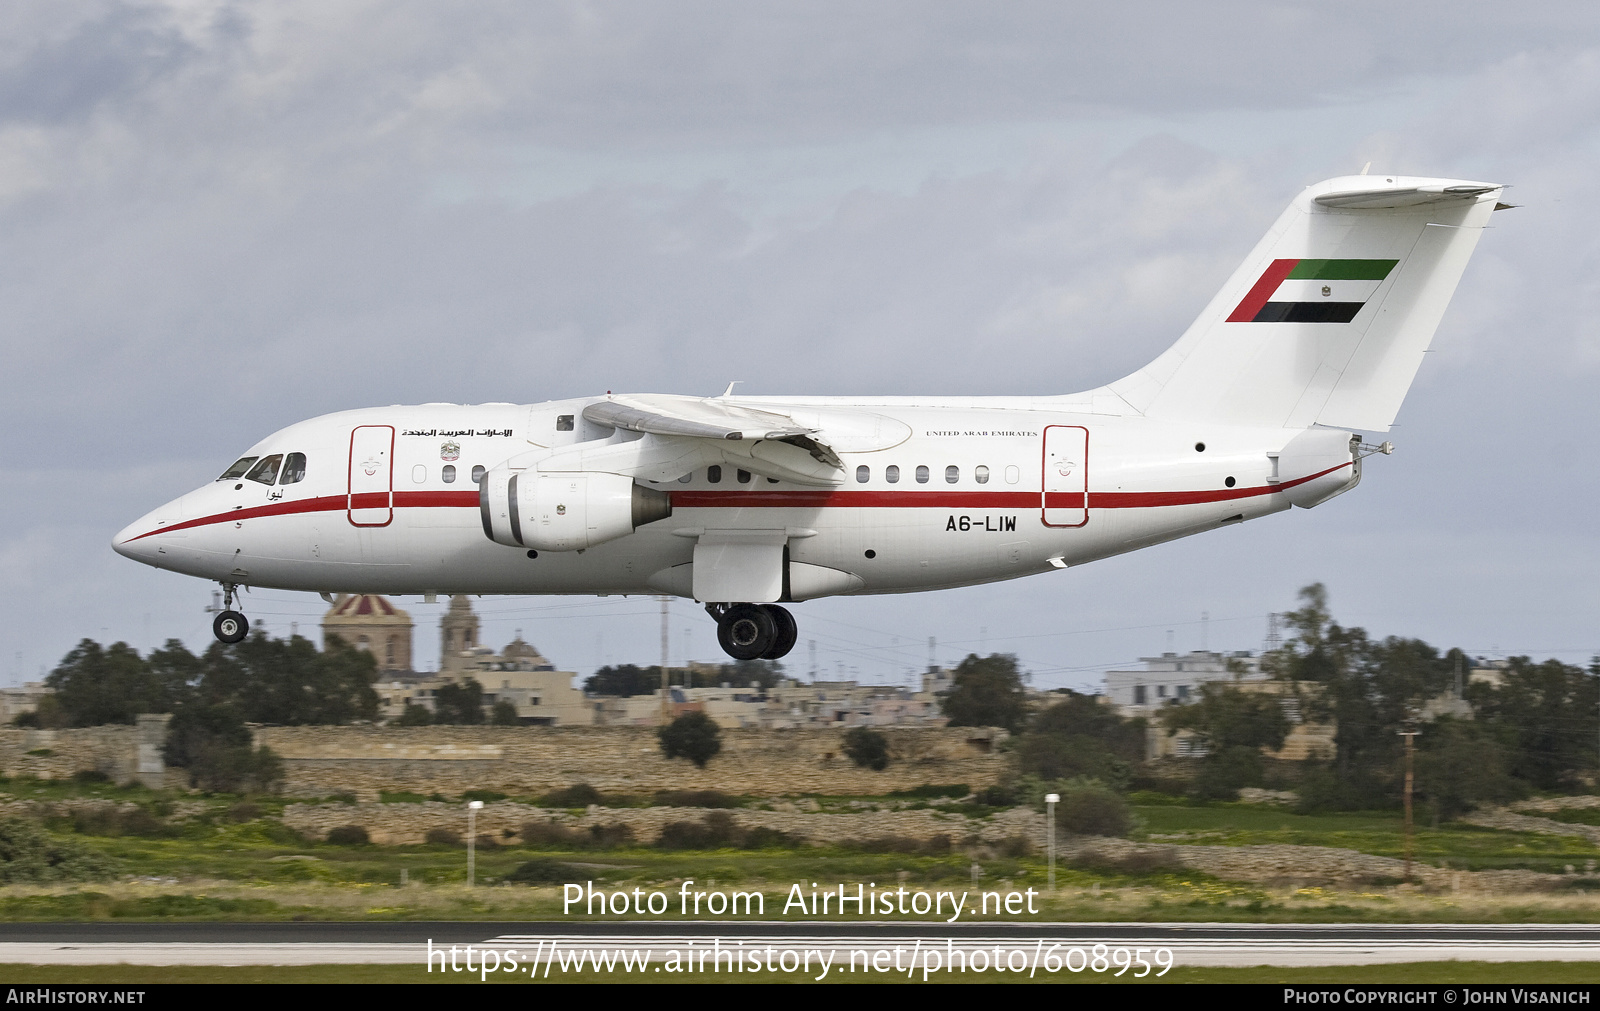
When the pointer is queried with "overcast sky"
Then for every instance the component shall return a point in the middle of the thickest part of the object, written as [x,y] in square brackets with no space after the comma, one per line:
[220,218]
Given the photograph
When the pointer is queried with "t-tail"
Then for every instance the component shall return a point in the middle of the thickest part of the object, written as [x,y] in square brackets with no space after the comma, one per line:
[1326,322]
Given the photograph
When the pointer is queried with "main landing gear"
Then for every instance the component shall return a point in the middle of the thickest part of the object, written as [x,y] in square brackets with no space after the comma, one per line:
[754,631]
[229,626]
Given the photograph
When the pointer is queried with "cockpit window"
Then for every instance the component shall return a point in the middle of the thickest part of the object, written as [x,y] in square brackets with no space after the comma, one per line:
[235,472]
[294,469]
[266,471]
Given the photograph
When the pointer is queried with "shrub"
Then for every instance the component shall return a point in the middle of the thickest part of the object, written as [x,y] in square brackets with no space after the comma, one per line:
[30,854]
[540,870]
[995,796]
[348,835]
[140,822]
[1015,846]
[869,749]
[1090,808]
[90,776]
[487,842]
[694,736]
[576,795]
[606,837]
[244,811]
[694,798]
[442,837]
[547,833]
[1137,862]
[415,716]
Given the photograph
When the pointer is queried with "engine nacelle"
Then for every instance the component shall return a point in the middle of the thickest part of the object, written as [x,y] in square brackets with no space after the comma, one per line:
[565,511]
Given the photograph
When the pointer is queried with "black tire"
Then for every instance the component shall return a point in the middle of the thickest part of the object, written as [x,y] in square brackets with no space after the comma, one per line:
[230,626]
[788,632]
[746,632]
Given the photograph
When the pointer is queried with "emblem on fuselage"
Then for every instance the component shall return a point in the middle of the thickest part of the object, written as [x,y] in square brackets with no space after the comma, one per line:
[450,452]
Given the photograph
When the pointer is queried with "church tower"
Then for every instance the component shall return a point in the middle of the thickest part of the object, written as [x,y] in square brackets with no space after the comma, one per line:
[458,632]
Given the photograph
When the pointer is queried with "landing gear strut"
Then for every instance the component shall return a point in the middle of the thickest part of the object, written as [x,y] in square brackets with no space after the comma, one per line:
[229,626]
[754,631]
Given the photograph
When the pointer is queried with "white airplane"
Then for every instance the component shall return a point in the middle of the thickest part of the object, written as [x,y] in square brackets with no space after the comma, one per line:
[743,503]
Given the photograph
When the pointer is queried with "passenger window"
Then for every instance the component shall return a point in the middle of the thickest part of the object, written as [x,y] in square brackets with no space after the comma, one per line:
[891,474]
[744,477]
[266,471]
[980,474]
[685,479]
[1013,474]
[235,472]
[564,422]
[714,474]
[922,475]
[863,474]
[294,469]
[419,474]
[952,474]
[477,474]
[448,473]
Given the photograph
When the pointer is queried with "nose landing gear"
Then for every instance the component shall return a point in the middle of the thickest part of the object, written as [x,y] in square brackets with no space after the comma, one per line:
[229,626]
[754,631]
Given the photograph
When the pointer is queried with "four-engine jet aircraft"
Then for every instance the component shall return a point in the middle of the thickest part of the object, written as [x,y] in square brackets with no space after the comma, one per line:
[746,503]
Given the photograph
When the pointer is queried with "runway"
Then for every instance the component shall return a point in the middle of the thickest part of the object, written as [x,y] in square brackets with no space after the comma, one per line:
[875,944]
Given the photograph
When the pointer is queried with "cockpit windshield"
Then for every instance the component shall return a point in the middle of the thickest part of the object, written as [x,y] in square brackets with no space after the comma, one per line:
[266,471]
[235,472]
[294,468]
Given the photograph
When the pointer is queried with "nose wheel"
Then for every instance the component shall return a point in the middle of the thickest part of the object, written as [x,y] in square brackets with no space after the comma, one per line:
[754,631]
[229,626]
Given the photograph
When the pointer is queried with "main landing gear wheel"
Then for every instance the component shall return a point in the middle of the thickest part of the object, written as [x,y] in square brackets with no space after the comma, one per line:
[746,631]
[788,632]
[755,631]
[230,626]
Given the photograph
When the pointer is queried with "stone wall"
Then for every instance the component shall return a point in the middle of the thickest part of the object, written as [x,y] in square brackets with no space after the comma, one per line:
[126,754]
[407,824]
[319,761]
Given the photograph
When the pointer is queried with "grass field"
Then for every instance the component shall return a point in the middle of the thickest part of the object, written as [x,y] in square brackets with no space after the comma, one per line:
[1448,973]
[209,865]
[1382,833]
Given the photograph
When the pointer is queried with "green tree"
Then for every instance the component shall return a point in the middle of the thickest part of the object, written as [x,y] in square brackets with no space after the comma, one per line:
[95,685]
[1545,713]
[414,716]
[505,715]
[1234,726]
[986,692]
[868,749]
[459,703]
[288,682]
[625,680]
[1459,765]
[694,736]
[1080,737]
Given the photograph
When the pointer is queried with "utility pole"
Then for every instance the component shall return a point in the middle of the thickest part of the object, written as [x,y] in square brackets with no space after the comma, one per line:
[1410,736]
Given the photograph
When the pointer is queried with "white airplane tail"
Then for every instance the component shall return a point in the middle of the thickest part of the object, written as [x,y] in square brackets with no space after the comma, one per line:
[1327,320]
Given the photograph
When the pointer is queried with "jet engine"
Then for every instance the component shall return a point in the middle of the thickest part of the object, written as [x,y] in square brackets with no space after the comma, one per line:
[565,511]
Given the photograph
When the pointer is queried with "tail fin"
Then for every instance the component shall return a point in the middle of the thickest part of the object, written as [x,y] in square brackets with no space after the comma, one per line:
[1327,320]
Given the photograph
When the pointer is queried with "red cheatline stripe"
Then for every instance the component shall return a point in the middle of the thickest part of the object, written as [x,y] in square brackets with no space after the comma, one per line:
[795,500]
[1259,295]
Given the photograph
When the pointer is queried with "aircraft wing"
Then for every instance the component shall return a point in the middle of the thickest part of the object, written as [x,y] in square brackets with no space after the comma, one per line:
[697,419]
[715,430]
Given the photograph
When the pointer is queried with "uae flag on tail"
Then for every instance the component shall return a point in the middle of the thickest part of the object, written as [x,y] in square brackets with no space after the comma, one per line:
[1312,291]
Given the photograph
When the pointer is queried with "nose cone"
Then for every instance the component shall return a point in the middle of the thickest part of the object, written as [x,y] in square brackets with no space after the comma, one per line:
[140,539]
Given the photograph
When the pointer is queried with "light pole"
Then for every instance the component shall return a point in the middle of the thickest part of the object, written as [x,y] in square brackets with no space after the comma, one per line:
[1050,801]
[473,807]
